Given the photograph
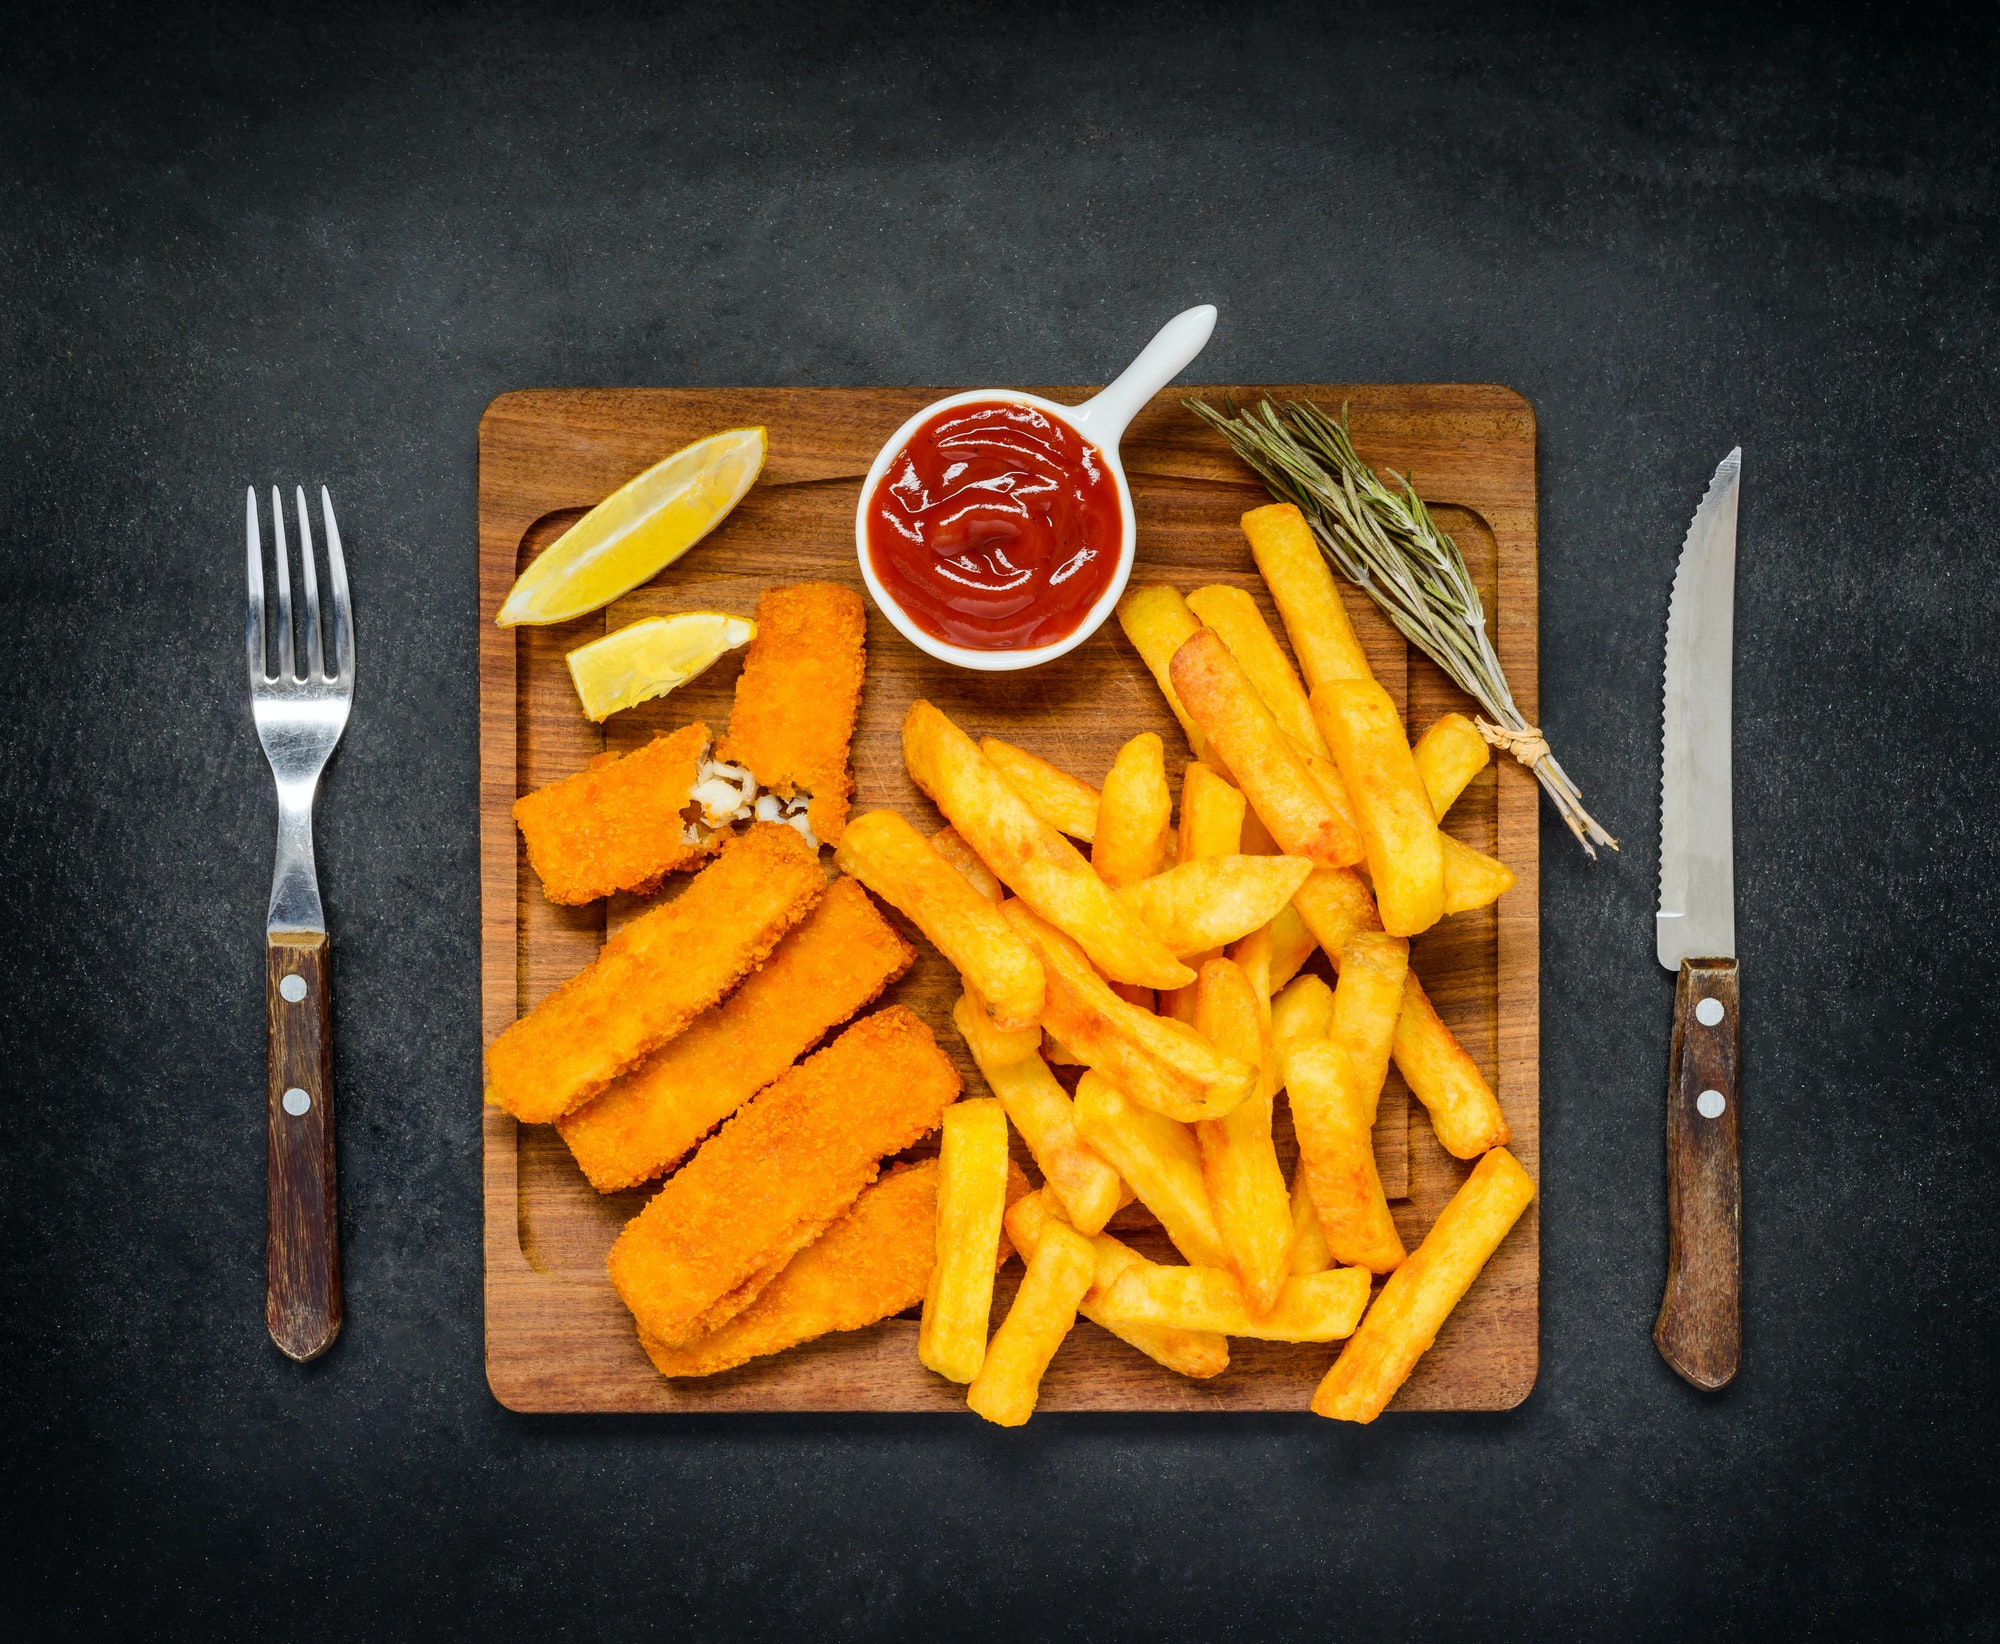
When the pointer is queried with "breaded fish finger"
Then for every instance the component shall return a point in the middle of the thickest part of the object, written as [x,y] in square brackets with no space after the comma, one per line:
[773,1178]
[655,976]
[797,698]
[868,1266]
[836,961]
[616,825]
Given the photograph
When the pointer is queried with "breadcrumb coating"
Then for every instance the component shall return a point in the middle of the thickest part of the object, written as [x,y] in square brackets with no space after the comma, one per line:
[616,825]
[798,696]
[655,976]
[836,962]
[773,1178]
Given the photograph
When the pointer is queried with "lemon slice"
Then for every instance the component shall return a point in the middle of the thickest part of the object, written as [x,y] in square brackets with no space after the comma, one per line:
[652,657]
[639,530]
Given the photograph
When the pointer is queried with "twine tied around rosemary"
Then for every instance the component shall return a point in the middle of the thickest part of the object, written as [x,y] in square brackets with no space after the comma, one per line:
[1388,546]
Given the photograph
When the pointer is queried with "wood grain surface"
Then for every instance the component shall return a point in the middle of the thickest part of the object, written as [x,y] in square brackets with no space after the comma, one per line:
[302,1306]
[558,1339]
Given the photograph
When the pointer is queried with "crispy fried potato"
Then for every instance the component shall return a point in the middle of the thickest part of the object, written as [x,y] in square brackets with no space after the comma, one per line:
[1335,903]
[948,844]
[1471,878]
[1233,614]
[1274,778]
[1303,1011]
[1059,1276]
[893,860]
[1194,1353]
[1327,775]
[1367,1005]
[1135,814]
[1253,955]
[1067,803]
[1331,1111]
[1449,755]
[1292,944]
[1160,1063]
[1464,1111]
[1028,855]
[1246,1189]
[1212,813]
[972,1198]
[1088,1188]
[1302,588]
[1421,1294]
[1309,1251]
[1397,823]
[1160,1161]
[1206,904]
[1158,623]
[1323,1306]
[986,1039]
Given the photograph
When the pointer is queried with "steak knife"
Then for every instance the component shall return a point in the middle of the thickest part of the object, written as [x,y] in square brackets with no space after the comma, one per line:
[1699,1331]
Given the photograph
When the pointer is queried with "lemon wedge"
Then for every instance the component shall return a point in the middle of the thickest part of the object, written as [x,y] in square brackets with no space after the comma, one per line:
[639,530]
[652,657]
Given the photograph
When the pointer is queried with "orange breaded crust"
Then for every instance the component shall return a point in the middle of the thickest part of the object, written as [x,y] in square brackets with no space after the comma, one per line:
[837,960]
[616,825]
[868,1266]
[798,696]
[655,976]
[773,1178]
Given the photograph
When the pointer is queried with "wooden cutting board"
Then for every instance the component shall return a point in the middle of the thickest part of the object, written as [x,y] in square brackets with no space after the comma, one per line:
[557,1337]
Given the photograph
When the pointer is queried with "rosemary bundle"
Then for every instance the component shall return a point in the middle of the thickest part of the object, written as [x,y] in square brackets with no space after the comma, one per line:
[1389,546]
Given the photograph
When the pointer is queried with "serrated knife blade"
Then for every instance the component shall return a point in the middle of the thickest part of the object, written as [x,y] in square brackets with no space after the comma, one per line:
[1697,912]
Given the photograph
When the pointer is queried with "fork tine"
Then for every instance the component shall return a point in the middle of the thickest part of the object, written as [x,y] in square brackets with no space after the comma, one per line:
[315,647]
[287,663]
[336,587]
[253,628]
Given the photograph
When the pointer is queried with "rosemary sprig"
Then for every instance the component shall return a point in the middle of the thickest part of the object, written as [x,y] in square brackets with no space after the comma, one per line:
[1389,546]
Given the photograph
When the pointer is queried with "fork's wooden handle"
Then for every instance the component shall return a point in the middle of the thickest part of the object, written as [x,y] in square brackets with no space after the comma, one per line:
[1700,1328]
[302,1260]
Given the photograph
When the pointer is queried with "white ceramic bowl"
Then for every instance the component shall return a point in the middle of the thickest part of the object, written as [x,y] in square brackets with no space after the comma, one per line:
[1101,421]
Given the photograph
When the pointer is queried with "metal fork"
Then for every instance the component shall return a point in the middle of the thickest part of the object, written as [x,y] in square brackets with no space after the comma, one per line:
[300,714]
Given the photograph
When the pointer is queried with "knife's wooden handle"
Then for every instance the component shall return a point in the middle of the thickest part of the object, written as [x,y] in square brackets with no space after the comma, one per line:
[302,1257]
[1700,1328]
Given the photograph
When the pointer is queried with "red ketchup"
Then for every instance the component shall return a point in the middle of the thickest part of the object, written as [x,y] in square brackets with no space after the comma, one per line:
[996,527]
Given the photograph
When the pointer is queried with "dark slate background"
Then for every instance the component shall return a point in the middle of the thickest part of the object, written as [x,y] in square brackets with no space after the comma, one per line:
[312,243]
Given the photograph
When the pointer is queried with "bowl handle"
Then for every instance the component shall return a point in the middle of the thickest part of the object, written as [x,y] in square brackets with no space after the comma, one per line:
[1104,418]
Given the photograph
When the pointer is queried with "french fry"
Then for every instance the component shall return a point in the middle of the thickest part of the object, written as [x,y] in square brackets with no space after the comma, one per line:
[1067,803]
[1292,944]
[1331,1113]
[1327,775]
[1059,1054]
[1028,855]
[1367,1004]
[1302,588]
[1246,1189]
[1421,1294]
[1158,623]
[948,844]
[1257,840]
[1253,954]
[895,862]
[1397,823]
[1059,1276]
[1160,1161]
[1039,1108]
[972,1199]
[1333,904]
[991,1044]
[1274,778]
[1233,614]
[1309,1251]
[1206,904]
[1323,1306]
[1212,813]
[1135,814]
[1160,1063]
[1195,1353]
[1464,1111]
[1303,1011]
[1449,755]
[1471,878]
